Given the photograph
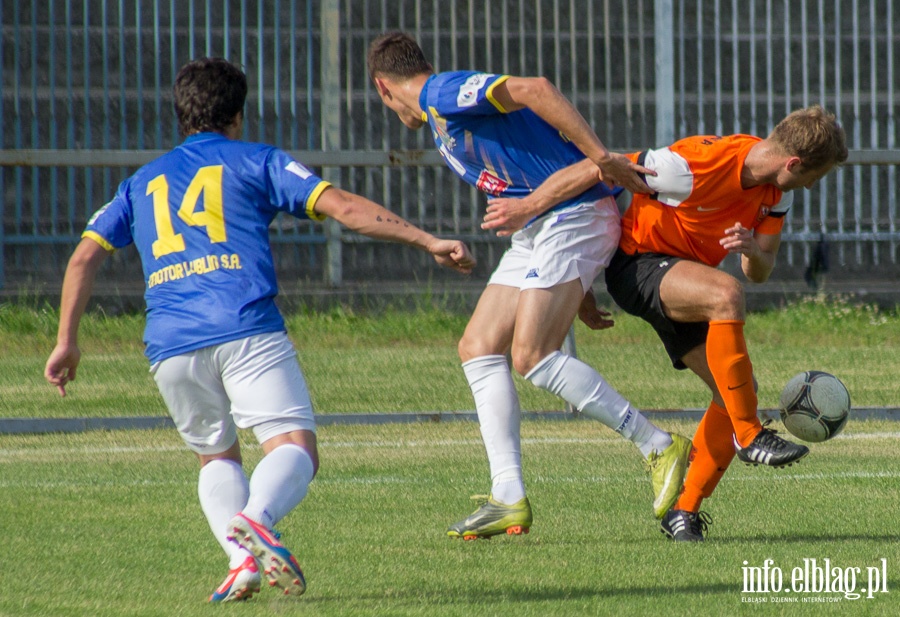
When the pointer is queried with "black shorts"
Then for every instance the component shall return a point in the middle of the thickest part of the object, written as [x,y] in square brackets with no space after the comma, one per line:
[633,282]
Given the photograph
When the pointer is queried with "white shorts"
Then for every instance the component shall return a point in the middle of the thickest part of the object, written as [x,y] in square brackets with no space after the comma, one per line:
[573,243]
[254,382]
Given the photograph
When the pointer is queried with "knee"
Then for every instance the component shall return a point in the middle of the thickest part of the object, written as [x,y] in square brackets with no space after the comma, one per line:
[728,300]
[524,359]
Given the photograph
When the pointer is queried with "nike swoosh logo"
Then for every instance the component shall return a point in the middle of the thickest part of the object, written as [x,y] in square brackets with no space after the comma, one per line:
[701,209]
[658,501]
[736,387]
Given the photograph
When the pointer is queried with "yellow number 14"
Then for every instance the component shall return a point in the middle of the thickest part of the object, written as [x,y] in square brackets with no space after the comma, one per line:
[208,181]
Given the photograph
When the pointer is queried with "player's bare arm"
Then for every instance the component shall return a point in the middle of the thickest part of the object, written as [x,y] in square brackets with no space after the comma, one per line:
[507,215]
[370,219]
[758,252]
[78,283]
[544,99]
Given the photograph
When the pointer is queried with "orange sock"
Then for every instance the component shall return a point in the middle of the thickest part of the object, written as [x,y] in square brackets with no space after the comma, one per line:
[729,363]
[713,451]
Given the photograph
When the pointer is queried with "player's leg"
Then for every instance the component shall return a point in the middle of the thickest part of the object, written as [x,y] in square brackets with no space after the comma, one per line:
[713,452]
[694,292]
[199,406]
[268,394]
[569,252]
[483,349]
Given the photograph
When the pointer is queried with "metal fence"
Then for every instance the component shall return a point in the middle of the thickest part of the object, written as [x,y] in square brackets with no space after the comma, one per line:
[86,98]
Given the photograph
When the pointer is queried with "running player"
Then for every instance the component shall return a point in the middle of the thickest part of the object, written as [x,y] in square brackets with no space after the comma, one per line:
[199,217]
[505,135]
[714,196]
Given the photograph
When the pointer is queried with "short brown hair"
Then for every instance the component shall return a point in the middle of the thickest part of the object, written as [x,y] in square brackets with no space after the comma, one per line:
[813,135]
[209,93]
[398,55]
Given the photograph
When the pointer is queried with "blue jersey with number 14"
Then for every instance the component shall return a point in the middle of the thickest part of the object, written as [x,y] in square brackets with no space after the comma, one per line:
[199,217]
[502,153]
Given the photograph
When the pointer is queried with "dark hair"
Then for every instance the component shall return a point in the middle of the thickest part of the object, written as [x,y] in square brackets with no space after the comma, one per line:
[396,54]
[813,135]
[209,93]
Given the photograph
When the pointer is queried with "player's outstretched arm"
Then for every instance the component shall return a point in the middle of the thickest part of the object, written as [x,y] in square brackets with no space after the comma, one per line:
[370,219]
[508,215]
[76,290]
[544,99]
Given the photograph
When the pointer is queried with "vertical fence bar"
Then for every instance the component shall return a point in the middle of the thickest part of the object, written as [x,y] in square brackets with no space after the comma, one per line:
[2,184]
[770,70]
[51,70]
[717,45]
[875,189]
[789,222]
[139,74]
[735,70]
[701,117]
[330,28]
[607,68]
[70,119]
[891,143]
[88,132]
[157,94]
[665,72]
[838,72]
[35,134]
[857,131]
[753,88]
[823,63]
[173,61]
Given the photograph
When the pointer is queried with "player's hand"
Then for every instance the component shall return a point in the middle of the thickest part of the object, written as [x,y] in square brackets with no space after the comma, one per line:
[739,239]
[62,365]
[453,254]
[593,317]
[507,215]
[619,170]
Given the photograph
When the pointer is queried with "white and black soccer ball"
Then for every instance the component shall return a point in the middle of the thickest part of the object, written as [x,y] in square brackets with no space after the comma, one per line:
[815,406]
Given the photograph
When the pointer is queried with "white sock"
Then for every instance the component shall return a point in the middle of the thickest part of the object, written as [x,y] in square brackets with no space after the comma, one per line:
[580,385]
[499,417]
[278,484]
[223,491]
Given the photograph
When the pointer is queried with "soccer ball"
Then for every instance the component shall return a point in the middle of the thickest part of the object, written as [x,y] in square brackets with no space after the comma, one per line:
[815,406]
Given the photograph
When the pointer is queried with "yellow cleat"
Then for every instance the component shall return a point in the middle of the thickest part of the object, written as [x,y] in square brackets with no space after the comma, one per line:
[493,518]
[667,471]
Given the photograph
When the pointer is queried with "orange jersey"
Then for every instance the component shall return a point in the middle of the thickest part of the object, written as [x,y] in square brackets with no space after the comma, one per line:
[698,196]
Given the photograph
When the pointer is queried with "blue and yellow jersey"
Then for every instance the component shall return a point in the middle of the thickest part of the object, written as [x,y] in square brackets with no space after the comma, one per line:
[502,153]
[199,217]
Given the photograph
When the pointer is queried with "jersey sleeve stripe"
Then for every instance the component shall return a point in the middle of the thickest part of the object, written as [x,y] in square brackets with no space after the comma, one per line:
[640,161]
[313,198]
[93,235]
[490,93]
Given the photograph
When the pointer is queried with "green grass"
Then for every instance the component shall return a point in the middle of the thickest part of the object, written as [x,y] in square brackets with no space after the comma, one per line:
[107,524]
[406,361]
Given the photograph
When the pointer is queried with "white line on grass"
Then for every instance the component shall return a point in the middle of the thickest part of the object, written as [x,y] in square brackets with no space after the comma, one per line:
[49,453]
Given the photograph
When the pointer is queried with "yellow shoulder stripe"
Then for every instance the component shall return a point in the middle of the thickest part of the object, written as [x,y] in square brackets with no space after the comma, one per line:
[93,235]
[313,198]
[490,93]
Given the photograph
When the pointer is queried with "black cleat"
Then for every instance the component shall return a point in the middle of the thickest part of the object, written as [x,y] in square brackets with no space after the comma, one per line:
[684,526]
[770,449]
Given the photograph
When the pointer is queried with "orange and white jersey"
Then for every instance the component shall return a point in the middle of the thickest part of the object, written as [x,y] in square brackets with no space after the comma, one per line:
[697,196]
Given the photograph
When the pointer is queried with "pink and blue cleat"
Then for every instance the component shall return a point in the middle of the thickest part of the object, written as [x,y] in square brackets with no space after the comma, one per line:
[277,562]
[240,584]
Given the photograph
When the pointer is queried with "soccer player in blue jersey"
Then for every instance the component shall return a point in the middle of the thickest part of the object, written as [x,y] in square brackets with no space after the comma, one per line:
[505,135]
[199,217]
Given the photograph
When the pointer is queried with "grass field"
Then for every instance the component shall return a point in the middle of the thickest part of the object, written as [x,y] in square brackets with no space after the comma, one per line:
[399,361]
[108,525]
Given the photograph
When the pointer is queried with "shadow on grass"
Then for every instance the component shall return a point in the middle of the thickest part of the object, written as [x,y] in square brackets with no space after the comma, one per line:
[825,538]
[526,594]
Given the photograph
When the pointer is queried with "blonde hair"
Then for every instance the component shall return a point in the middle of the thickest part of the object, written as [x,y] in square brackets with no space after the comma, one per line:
[814,136]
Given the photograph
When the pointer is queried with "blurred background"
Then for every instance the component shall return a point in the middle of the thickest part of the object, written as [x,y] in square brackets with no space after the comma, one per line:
[85,99]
